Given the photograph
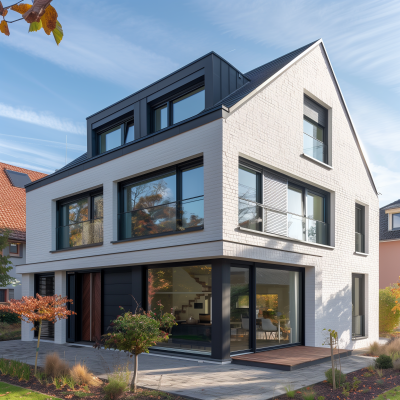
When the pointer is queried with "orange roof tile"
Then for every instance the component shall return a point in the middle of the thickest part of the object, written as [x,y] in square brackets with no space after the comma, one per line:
[13,201]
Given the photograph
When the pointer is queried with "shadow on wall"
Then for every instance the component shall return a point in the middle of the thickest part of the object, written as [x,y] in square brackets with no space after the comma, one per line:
[336,314]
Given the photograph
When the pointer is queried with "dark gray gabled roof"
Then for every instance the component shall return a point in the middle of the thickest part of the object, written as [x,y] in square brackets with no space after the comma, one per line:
[384,233]
[261,74]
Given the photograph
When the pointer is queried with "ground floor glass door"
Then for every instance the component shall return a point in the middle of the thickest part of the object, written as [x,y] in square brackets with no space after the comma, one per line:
[266,307]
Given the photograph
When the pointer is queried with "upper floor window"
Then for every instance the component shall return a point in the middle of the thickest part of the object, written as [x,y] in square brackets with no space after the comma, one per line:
[178,108]
[395,221]
[14,249]
[276,204]
[360,229]
[80,220]
[114,137]
[168,201]
[315,130]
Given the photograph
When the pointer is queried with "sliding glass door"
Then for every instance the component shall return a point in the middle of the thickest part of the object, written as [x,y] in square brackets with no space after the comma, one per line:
[266,307]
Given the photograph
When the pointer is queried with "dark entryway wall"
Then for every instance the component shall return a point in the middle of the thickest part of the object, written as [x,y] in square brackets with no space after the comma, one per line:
[121,287]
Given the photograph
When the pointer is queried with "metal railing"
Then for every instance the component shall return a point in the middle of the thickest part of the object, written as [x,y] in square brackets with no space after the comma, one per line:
[80,234]
[360,243]
[314,148]
[176,216]
[263,219]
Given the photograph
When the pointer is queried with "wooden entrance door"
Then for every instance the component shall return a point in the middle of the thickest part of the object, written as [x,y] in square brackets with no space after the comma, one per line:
[91,306]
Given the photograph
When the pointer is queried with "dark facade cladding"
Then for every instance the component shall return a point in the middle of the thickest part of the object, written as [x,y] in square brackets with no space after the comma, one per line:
[224,86]
[384,233]
[230,313]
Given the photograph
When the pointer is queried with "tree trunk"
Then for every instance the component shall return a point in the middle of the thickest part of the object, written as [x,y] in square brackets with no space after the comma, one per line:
[333,364]
[38,344]
[135,375]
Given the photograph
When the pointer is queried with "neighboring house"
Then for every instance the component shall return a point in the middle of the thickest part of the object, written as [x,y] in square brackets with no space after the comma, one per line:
[13,216]
[231,198]
[389,244]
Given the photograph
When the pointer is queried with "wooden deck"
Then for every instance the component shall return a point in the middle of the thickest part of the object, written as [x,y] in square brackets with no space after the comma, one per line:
[287,359]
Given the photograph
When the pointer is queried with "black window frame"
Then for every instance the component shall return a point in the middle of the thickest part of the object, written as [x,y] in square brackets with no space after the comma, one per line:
[362,304]
[178,169]
[63,202]
[168,100]
[393,228]
[361,209]
[122,123]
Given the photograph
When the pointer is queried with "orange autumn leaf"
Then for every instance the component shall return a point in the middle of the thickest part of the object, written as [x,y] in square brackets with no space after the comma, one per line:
[49,19]
[4,28]
[21,8]
[3,11]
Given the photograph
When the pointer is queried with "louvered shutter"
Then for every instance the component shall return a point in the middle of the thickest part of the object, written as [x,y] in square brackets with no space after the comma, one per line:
[275,199]
[315,112]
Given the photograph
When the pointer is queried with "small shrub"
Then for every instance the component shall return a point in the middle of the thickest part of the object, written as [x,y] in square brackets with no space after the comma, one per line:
[308,395]
[26,373]
[371,368]
[340,377]
[117,385]
[82,376]
[388,320]
[290,392]
[384,362]
[40,376]
[345,392]
[356,383]
[55,367]
[57,383]
[380,382]
[321,398]
[374,349]
[379,372]
[9,318]
[366,390]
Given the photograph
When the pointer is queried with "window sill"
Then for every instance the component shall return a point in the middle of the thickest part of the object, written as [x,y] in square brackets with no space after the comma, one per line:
[200,228]
[14,256]
[359,338]
[287,238]
[322,164]
[85,246]
[361,254]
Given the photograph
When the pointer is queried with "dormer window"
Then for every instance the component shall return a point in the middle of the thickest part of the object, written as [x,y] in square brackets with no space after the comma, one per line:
[116,136]
[177,108]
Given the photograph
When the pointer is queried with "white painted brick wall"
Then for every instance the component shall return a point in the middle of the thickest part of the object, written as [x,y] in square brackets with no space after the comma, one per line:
[269,129]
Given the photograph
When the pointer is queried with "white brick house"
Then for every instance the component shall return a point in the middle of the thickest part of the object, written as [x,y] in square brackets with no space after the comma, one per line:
[263,254]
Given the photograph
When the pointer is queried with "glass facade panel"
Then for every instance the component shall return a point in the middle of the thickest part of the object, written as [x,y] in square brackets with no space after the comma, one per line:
[192,182]
[240,307]
[187,293]
[359,229]
[188,105]
[109,140]
[295,220]
[160,118]
[130,132]
[313,137]
[277,307]
[248,184]
[358,305]
[314,130]
[396,221]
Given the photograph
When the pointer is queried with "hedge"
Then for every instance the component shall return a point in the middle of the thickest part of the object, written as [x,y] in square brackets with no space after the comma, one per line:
[388,320]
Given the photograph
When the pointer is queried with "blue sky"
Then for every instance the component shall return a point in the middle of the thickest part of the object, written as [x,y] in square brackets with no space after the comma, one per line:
[109,52]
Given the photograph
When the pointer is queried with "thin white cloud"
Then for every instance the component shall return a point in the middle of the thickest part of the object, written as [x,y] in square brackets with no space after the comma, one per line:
[46,120]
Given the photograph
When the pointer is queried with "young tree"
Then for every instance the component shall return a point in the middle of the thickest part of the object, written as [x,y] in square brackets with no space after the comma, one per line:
[39,309]
[136,333]
[5,263]
[39,15]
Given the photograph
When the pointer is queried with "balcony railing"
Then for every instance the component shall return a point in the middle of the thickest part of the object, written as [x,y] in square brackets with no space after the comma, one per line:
[314,148]
[261,218]
[360,247]
[80,234]
[177,216]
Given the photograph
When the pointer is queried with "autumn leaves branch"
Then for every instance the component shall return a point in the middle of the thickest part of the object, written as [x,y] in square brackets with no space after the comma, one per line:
[39,15]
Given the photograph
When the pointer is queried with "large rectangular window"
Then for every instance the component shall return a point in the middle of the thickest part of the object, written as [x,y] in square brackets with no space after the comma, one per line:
[116,136]
[170,201]
[358,305]
[315,130]
[187,293]
[360,228]
[178,108]
[80,221]
[395,221]
[279,205]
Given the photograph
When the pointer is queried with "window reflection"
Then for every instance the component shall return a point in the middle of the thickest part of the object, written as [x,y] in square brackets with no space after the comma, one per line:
[160,118]
[188,105]
[110,139]
[187,293]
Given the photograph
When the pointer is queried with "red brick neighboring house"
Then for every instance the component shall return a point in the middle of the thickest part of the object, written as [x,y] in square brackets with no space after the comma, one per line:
[13,216]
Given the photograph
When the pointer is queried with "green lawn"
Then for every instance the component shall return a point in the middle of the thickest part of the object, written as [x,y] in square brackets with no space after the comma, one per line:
[391,394]
[8,392]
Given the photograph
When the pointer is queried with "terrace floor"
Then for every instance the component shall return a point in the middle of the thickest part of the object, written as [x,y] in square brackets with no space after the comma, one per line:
[190,378]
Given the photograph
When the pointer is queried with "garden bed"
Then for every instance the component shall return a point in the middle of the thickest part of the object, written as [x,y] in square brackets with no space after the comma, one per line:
[370,386]
[78,392]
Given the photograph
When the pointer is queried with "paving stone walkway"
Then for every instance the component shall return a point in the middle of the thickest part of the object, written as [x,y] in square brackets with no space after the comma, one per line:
[198,380]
